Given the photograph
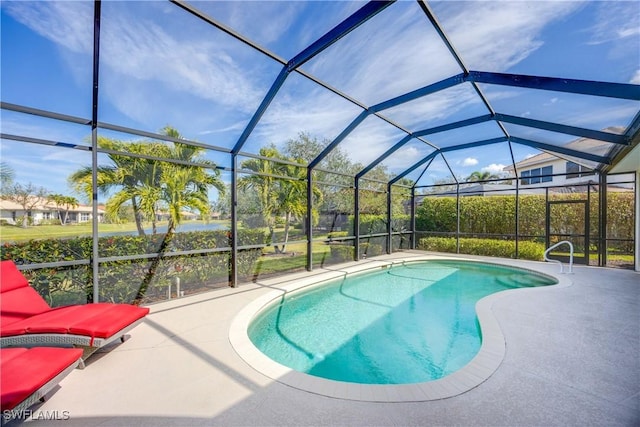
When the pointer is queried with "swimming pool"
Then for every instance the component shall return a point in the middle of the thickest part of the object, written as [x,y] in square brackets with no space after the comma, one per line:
[408,323]
[390,301]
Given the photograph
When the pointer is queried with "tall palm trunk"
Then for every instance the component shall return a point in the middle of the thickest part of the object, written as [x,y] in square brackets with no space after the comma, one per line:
[155,262]
[138,216]
[272,232]
[154,224]
[287,220]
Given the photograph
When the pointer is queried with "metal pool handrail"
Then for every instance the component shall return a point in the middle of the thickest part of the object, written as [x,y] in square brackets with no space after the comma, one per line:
[559,262]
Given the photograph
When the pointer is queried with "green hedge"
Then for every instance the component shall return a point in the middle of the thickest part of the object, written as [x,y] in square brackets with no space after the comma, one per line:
[344,252]
[496,214]
[487,247]
[120,280]
[373,224]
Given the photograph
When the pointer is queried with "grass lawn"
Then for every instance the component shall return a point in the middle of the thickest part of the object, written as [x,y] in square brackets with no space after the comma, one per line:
[12,233]
[295,258]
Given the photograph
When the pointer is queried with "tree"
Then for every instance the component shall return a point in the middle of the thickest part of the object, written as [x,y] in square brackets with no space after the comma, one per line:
[336,199]
[187,186]
[27,196]
[182,181]
[6,176]
[278,197]
[126,174]
[292,198]
[264,184]
[222,205]
[63,205]
[481,176]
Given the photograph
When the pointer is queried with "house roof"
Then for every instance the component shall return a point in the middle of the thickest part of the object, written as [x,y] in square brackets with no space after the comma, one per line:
[477,189]
[589,145]
[10,205]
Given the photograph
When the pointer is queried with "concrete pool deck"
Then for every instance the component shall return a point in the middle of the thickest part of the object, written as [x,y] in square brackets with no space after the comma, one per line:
[571,358]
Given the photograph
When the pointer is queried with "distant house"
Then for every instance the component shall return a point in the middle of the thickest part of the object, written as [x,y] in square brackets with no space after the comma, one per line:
[536,171]
[185,215]
[12,213]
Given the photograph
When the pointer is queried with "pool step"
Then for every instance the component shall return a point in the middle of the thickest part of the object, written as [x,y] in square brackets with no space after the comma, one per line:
[520,281]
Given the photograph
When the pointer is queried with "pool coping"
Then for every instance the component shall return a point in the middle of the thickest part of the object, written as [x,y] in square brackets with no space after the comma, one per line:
[477,371]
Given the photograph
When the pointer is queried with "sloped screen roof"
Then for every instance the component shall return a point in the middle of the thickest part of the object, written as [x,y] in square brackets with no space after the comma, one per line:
[427,90]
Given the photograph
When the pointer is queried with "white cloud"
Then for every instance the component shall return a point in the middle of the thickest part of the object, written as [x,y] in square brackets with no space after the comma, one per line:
[138,49]
[552,101]
[69,24]
[200,67]
[494,168]
[402,159]
[397,42]
[513,29]
[636,78]
[436,108]
[617,20]
[244,19]
[469,161]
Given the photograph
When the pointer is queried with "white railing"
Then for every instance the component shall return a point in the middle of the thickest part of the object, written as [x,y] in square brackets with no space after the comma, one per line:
[550,248]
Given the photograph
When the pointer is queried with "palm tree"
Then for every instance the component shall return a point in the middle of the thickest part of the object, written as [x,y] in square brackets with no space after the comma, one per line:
[6,176]
[179,186]
[264,184]
[180,180]
[481,176]
[186,186]
[63,204]
[292,198]
[125,174]
[278,196]
[149,183]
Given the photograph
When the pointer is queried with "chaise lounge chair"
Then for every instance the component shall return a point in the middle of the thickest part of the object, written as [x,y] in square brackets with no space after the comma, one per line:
[26,320]
[28,374]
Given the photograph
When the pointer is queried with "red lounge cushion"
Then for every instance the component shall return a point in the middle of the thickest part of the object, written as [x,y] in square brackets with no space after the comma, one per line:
[10,277]
[24,311]
[100,320]
[19,304]
[24,371]
[104,320]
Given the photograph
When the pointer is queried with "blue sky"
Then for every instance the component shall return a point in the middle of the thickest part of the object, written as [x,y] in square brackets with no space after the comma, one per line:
[160,65]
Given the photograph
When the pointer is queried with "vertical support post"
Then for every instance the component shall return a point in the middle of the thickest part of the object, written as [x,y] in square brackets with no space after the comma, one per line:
[457,217]
[413,218]
[602,221]
[587,225]
[547,219]
[517,217]
[94,149]
[356,219]
[636,208]
[309,219]
[389,225]
[233,271]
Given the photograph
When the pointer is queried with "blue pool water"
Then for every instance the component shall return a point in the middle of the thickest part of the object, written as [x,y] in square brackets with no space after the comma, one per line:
[405,324]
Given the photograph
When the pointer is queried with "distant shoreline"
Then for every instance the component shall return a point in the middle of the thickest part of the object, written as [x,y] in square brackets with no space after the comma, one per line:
[11,233]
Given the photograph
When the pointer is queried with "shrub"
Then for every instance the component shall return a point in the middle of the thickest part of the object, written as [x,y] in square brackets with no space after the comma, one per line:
[120,279]
[372,224]
[342,253]
[496,214]
[487,247]
[370,249]
[337,234]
